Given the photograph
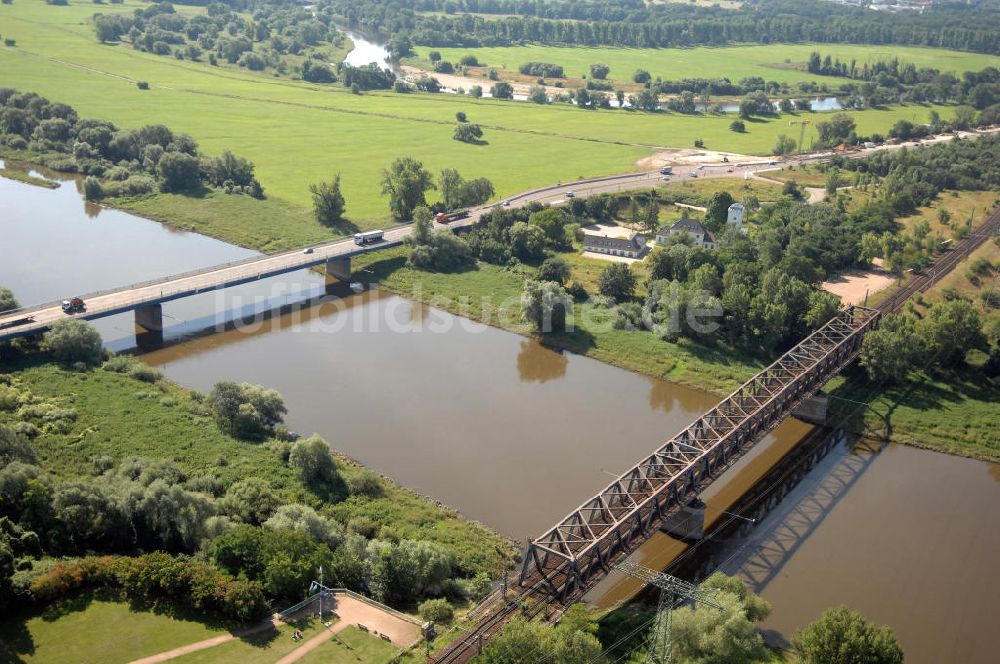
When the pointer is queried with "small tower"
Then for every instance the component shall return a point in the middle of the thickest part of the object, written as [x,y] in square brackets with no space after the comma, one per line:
[737,213]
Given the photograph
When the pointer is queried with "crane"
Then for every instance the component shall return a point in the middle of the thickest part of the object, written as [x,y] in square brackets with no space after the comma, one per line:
[802,131]
[671,590]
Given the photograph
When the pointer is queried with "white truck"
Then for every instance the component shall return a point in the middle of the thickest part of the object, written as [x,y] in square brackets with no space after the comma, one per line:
[369,237]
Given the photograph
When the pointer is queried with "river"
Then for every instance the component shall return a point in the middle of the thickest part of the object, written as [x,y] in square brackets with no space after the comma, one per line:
[516,435]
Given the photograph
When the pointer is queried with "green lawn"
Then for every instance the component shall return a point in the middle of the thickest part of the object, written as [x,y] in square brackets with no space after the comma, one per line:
[264,647]
[350,646]
[298,133]
[82,631]
[105,414]
[784,63]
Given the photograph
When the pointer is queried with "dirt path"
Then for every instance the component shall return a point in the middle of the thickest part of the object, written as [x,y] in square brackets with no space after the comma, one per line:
[208,643]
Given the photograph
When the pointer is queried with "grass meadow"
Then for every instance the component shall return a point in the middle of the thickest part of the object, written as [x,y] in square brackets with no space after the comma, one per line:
[784,63]
[299,133]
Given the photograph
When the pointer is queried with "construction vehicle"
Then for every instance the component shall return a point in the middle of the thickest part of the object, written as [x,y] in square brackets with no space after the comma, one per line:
[445,217]
[73,305]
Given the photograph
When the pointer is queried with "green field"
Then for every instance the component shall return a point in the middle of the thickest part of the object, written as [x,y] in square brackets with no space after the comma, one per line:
[299,133]
[82,631]
[784,63]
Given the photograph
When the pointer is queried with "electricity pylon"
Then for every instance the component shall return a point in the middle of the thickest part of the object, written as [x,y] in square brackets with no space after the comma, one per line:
[671,589]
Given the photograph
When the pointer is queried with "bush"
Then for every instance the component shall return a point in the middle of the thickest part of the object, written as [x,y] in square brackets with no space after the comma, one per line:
[842,636]
[365,482]
[553,269]
[71,341]
[142,85]
[92,189]
[185,581]
[311,457]
[436,610]
[244,410]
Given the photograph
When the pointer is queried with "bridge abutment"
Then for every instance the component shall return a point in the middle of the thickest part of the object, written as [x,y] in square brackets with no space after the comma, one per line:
[813,409]
[688,523]
[338,270]
[149,326]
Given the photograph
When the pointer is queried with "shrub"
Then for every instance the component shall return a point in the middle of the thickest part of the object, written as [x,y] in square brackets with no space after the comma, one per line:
[365,482]
[437,610]
[185,581]
[142,85]
[311,457]
[72,341]
[92,189]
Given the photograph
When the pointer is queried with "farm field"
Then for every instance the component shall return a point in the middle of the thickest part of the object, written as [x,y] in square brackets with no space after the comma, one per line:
[784,63]
[299,133]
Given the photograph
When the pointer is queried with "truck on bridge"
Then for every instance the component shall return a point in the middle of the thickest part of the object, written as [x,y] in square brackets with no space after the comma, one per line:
[368,237]
[73,305]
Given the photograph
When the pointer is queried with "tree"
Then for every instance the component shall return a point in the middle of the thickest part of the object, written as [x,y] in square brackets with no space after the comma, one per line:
[617,281]
[552,221]
[599,71]
[436,610]
[461,117]
[784,145]
[72,341]
[179,172]
[250,500]
[527,241]
[706,634]
[245,411]
[843,636]
[545,305]
[502,90]
[738,126]
[304,519]
[405,183]
[553,269]
[538,95]
[476,91]
[950,330]
[641,76]
[889,352]
[311,457]
[838,129]
[467,132]
[792,190]
[718,210]
[7,300]
[328,202]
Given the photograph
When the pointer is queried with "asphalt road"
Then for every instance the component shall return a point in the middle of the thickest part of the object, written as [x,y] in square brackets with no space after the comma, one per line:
[38,319]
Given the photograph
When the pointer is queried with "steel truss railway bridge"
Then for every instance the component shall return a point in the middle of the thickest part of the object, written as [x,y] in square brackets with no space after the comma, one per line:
[574,555]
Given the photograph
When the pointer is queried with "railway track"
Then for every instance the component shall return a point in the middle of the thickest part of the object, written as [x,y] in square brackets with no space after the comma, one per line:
[943,264]
[470,644]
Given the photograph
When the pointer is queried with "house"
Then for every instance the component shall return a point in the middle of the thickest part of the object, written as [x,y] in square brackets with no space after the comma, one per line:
[737,214]
[701,236]
[633,247]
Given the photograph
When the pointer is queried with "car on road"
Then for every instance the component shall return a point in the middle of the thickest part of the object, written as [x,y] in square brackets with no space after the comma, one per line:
[694,174]
[506,204]
[570,194]
[307,250]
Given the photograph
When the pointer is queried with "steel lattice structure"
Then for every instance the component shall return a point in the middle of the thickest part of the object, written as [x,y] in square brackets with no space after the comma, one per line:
[599,533]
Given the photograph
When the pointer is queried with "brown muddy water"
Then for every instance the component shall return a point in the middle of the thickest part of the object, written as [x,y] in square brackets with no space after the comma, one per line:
[516,435]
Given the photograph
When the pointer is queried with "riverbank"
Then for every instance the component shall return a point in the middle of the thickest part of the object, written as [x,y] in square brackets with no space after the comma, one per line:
[107,417]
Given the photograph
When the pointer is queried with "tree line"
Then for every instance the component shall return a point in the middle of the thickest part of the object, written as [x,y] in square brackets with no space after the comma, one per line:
[117,161]
[662,25]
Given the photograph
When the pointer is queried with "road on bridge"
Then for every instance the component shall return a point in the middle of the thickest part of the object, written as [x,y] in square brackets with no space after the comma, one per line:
[39,318]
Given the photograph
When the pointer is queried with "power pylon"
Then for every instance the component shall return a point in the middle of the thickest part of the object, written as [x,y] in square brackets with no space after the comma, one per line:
[671,590]
[802,131]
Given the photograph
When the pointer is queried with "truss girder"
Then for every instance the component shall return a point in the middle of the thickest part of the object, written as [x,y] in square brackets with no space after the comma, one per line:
[632,506]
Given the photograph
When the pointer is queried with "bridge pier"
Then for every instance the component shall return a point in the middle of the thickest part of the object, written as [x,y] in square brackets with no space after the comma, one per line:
[688,523]
[338,270]
[149,326]
[813,409]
